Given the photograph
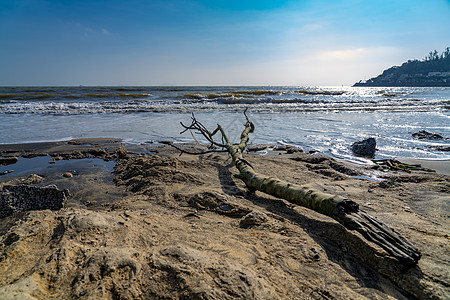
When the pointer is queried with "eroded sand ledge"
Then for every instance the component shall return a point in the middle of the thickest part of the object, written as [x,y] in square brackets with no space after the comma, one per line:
[165,226]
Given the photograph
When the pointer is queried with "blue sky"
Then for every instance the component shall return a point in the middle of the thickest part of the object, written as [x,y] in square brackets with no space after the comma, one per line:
[187,42]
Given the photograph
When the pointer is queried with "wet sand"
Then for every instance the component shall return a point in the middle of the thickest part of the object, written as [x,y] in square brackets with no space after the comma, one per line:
[144,222]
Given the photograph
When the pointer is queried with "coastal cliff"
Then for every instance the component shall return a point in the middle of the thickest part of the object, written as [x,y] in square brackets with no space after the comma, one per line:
[433,71]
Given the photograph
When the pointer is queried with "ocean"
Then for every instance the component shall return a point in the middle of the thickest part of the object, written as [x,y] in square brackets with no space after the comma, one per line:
[324,119]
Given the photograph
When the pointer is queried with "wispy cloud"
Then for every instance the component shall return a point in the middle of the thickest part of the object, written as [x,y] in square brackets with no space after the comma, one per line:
[88,31]
[104,31]
[348,54]
[355,53]
[312,27]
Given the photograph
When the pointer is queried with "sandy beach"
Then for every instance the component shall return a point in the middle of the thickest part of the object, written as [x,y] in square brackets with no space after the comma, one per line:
[116,221]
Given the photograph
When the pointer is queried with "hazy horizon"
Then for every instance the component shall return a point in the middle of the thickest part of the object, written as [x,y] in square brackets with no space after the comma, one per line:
[214,43]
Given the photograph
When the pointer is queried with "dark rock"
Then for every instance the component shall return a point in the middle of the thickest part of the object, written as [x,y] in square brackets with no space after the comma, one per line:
[32,155]
[422,135]
[290,149]
[259,147]
[18,198]
[4,161]
[440,148]
[365,147]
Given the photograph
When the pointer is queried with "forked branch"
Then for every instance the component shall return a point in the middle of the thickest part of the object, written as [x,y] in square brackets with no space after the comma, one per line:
[199,128]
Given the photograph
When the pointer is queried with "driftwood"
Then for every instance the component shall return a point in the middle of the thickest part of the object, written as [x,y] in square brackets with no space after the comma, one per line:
[345,211]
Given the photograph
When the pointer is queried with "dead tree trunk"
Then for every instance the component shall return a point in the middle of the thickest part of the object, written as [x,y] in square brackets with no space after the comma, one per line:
[344,211]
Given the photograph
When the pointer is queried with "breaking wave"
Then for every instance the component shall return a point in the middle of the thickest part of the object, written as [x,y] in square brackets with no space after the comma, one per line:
[98,100]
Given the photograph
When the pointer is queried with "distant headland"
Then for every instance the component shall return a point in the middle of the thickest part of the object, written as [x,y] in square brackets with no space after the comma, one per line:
[432,71]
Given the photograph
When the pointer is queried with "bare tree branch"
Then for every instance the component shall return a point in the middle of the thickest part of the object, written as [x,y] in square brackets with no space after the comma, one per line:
[345,211]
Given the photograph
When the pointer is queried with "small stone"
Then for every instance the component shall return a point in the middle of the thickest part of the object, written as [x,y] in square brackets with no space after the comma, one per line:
[68,175]
[253,218]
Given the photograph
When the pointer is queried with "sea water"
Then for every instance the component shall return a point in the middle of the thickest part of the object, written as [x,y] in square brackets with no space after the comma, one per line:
[325,119]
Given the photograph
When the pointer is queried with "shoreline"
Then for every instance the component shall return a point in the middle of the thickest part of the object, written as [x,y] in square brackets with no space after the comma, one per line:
[33,149]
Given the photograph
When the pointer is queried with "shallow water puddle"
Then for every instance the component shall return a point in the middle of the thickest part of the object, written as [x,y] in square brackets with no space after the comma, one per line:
[90,182]
[41,165]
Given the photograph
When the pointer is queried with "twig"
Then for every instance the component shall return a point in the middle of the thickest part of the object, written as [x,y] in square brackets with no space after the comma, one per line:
[182,151]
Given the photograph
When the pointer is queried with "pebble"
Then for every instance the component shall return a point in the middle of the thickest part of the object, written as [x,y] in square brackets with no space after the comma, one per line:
[68,175]
[253,218]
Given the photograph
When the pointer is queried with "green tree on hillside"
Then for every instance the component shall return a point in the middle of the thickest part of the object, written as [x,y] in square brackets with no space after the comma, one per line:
[433,70]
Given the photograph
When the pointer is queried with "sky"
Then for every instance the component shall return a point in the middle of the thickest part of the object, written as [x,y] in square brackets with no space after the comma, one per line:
[214,42]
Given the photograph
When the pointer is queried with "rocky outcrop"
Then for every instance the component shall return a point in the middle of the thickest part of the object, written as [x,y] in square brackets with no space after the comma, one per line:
[4,161]
[18,198]
[439,148]
[425,135]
